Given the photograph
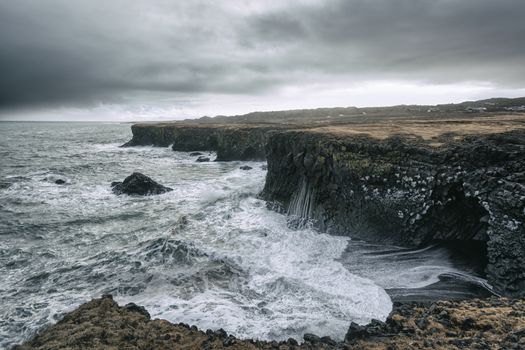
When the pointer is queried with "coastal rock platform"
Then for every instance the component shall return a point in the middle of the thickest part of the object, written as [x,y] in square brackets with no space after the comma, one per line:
[494,323]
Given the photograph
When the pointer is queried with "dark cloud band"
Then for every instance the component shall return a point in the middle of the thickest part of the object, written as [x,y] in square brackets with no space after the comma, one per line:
[59,52]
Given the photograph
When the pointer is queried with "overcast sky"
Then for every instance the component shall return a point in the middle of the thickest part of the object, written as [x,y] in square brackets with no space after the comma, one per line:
[130,60]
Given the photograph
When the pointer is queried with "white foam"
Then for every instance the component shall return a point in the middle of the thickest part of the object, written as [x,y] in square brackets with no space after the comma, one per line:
[295,283]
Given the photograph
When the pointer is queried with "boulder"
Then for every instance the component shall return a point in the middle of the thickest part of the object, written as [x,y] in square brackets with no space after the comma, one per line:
[246,167]
[60,182]
[139,184]
[195,154]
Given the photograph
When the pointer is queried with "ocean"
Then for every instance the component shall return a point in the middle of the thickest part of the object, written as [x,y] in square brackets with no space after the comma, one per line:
[209,253]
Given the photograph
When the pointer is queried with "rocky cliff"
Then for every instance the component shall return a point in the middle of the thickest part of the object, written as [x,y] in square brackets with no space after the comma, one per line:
[409,181]
[231,142]
[468,192]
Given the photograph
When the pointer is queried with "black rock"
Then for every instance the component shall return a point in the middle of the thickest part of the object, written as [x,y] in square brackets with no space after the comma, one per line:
[246,167]
[311,338]
[139,184]
[355,331]
[195,154]
[202,159]
[328,340]
[60,182]
[292,341]
[138,309]
[229,341]
[221,333]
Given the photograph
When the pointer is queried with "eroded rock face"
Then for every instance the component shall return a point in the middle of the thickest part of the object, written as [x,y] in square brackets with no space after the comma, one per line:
[469,192]
[230,142]
[139,184]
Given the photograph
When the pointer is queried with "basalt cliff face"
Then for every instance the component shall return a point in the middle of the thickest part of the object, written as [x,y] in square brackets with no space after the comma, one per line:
[231,142]
[469,192]
[404,180]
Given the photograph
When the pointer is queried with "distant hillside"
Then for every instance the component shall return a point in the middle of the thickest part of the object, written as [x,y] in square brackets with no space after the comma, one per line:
[491,103]
[348,113]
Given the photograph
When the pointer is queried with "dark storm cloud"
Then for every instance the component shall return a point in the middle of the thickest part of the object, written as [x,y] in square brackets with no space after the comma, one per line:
[438,40]
[60,52]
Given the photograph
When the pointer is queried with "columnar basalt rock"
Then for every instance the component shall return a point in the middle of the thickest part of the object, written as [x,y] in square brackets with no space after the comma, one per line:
[468,192]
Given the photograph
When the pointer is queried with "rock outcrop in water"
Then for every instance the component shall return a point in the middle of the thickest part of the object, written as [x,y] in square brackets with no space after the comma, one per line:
[478,324]
[139,184]
[202,159]
[401,179]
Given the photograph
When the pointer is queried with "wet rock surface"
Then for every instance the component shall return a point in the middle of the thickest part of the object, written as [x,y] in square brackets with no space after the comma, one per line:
[202,159]
[468,192]
[495,323]
[139,184]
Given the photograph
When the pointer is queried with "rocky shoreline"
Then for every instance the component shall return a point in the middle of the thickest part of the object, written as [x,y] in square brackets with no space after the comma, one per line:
[455,179]
[494,323]
[403,179]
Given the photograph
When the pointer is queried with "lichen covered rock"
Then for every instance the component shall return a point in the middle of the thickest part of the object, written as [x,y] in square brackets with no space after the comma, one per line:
[494,323]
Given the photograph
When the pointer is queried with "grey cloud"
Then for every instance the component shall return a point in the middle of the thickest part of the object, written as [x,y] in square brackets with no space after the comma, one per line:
[441,40]
[61,52]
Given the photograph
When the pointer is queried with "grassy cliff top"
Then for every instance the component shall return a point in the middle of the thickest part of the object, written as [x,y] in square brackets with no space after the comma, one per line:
[427,126]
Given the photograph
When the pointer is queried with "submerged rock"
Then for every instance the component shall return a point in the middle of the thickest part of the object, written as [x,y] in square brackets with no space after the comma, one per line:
[246,167]
[139,184]
[202,159]
[60,182]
